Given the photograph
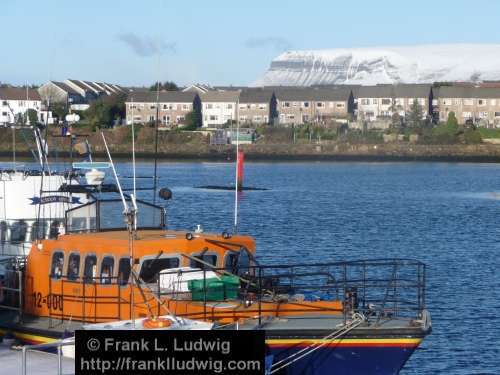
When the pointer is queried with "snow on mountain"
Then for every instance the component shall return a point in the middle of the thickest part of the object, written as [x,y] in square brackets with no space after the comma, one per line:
[367,66]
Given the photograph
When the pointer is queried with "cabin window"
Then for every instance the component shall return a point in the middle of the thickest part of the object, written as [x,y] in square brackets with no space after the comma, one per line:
[151,267]
[18,231]
[231,262]
[207,258]
[56,269]
[90,269]
[54,229]
[73,266]
[243,262]
[107,269]
[123,271]
[38,230]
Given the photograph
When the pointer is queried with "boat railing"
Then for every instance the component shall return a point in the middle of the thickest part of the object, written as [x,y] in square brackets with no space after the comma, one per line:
[11,285]
[86,293]
[44,347]
[379,288]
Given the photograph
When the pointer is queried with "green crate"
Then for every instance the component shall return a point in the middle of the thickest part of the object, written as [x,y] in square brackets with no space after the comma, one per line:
[214,290]
[231,286]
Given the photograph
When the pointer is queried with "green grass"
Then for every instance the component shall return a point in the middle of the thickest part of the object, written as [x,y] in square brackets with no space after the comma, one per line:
[489,133]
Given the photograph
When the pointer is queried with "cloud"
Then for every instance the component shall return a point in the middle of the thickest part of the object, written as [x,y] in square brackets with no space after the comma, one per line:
[145,45]
[275,42]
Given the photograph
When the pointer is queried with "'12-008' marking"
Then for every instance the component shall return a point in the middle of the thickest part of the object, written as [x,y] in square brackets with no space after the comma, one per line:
[52,301]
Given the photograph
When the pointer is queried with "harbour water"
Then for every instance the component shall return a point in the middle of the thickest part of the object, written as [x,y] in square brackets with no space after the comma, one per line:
[445,215]
[442,214]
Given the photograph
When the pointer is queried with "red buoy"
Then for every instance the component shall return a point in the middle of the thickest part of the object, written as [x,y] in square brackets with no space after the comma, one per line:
[240,160]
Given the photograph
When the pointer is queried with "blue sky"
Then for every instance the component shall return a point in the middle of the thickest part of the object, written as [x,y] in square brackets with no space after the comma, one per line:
[216,42]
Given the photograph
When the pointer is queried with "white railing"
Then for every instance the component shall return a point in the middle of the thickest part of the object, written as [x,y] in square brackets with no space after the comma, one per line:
[56,344]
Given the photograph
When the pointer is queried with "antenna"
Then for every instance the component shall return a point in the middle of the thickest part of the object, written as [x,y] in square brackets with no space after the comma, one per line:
[237,174]
[131,225]
[125,206]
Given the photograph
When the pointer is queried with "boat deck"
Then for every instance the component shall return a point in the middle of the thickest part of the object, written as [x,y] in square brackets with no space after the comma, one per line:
[40,363]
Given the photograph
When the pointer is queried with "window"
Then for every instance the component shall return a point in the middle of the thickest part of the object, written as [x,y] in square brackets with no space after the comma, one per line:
[295,104]
[243,106]
[257,118]
[152,106]
[386,101]
[209,106]
[262,106]
[340,105]
[229,106]
[243,118]
[207,258]
[73,266]
[456,101]
[123,271]
[286,104]
[497,114]
[483,114]
[213,118]
[56,270]
[375,101]
[107,269]
[185,107]
[305,104]
[231,262]
[38,230]
[291,117]
[166,119]
[151,267]
[421,101]
[365,101]
[305,118]
[180,118]
[165,106]
[320,104]
[90,269]
[468,102]
[446,101]
[467,115]
[151,118]
[481,102]
[18,231]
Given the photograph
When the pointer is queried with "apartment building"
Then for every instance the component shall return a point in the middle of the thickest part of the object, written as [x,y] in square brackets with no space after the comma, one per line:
[479,105]
[298,105]
[257,106]
[77,94]
[381,101]
[174,106]
[218,107]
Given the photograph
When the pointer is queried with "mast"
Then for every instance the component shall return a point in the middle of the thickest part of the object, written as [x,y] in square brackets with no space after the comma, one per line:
[156,137]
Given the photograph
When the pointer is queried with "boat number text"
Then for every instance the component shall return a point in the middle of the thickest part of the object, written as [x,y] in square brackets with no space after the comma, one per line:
[53,301]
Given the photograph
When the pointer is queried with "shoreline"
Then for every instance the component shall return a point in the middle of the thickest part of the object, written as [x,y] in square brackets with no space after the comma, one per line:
[22,156]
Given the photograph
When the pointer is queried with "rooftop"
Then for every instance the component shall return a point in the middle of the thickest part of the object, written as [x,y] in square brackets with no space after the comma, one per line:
[18,93]
[147,96]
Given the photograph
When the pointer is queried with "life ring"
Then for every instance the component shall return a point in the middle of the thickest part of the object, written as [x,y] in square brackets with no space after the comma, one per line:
[156,323]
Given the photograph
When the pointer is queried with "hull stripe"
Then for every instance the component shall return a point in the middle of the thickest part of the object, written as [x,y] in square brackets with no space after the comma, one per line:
[346,342]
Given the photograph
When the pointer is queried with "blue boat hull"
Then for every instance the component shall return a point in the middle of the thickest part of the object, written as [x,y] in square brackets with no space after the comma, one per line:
[344,360]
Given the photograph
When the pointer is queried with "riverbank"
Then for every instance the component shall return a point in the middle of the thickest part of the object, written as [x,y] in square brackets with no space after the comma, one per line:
[195,146]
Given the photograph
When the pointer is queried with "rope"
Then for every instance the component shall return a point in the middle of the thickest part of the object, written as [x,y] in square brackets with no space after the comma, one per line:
[357,320]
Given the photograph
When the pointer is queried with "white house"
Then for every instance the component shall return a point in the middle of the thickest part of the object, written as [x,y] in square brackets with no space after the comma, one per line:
[15,101]
[218,107]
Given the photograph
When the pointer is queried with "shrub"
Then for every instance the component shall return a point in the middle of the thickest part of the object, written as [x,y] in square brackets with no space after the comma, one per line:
[472,136]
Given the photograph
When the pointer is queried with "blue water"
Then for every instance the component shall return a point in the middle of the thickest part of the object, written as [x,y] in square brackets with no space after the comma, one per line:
[446,215]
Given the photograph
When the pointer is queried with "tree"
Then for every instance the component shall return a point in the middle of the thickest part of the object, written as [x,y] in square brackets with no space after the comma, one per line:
[452,120]
[32,116]
[415,115]
[165,86]
[106,110]
[59,110]
[193,120]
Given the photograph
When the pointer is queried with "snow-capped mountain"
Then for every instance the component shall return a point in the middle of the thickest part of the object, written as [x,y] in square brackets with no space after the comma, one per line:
[367,66]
